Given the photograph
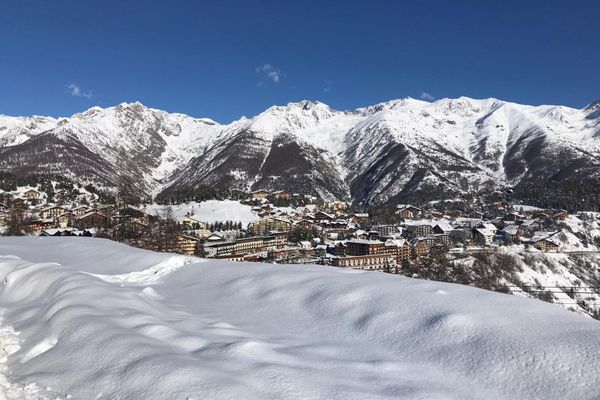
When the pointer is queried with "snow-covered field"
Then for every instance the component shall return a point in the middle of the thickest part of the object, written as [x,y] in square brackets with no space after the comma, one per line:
[93,319]
[209,211]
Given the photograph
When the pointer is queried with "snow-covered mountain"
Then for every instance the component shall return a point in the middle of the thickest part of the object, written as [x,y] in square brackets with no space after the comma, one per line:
[398,150]
[99,145]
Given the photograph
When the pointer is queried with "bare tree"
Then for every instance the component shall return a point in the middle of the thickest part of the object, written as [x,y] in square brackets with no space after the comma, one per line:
[127,193]
[16,223]
[164,233]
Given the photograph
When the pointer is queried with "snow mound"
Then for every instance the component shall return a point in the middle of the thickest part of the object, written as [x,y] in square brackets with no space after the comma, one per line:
[224,330]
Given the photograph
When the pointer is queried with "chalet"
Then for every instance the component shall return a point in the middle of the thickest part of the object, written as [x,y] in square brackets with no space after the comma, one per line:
[358,217]
[530,225]
[66,219]
[372,262]
[284,212]
[310,209]
[281,195]
[260,194]
[406,211]
[484,235]
[214,237]
[306,224]
[79,211]
[336,206]
[562,215]
[266,225]
[189,222]
[546,245]
[199,233]
[37,225]
[129,213]
[92,219]
[52,212]
[323,216]
[512,232]
[357,247]
[32,194]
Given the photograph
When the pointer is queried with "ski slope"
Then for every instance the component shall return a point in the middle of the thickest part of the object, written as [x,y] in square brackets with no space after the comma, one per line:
[209,211]
[93,319]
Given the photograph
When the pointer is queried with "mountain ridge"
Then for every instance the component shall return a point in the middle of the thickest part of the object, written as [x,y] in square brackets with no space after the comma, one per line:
[392,151]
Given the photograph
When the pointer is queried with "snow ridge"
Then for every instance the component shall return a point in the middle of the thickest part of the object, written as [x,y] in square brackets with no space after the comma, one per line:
[224,330]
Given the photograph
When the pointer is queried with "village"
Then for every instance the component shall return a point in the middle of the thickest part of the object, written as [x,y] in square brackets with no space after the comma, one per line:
[291,228]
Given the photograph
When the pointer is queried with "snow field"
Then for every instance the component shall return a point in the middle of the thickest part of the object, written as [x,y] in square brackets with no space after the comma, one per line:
[224,330]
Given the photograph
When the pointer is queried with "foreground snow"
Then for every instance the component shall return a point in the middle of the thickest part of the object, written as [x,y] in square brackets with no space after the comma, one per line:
[99,320]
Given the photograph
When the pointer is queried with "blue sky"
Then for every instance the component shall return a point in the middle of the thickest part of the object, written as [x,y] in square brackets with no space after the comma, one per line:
[225,59]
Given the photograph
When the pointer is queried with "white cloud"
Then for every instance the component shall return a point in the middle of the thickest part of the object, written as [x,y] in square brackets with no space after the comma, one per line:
[270,72]
[328,85]
[76,91]
[426,96]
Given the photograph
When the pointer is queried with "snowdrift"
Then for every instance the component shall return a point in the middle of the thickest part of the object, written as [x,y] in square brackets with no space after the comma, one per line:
[93,319]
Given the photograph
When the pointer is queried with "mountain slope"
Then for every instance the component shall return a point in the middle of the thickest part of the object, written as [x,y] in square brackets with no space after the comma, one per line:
[400,150]
[129,139]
